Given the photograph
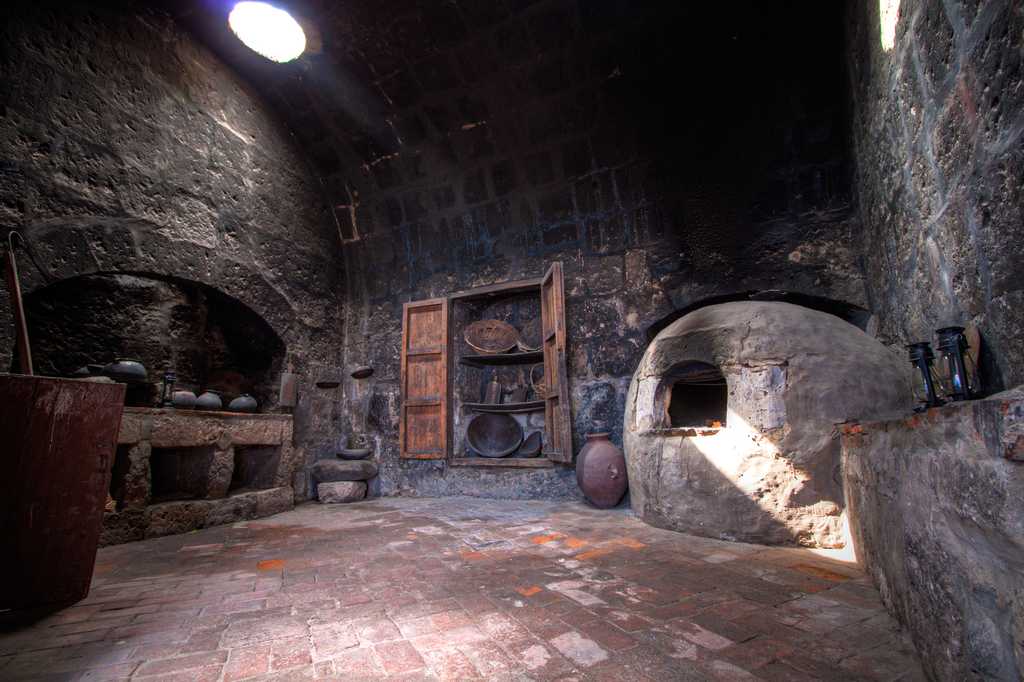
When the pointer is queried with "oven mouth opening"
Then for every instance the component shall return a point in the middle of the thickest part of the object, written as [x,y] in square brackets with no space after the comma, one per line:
[696,397]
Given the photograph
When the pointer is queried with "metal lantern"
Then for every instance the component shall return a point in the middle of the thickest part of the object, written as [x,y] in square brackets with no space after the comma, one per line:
[921,356]
[952,344]
[167,391]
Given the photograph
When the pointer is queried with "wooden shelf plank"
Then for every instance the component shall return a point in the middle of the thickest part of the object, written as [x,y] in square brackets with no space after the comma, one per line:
[503,359]
[512,462]
[504,289]
[506,408]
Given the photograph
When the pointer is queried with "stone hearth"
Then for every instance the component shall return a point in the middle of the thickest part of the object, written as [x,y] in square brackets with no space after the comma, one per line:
[180,470]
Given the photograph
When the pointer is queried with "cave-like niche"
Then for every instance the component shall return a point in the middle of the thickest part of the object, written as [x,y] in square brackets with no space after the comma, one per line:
[696,395]
[209,339]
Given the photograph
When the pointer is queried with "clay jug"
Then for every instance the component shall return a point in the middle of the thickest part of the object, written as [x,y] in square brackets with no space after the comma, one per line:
[601,471]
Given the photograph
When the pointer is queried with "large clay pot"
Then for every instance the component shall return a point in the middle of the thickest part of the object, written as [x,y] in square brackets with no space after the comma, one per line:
[601,471]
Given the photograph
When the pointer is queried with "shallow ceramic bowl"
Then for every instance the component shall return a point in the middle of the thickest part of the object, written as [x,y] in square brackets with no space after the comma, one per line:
[493,435]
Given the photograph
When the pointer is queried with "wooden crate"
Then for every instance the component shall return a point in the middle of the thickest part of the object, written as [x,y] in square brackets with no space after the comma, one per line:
[57,443]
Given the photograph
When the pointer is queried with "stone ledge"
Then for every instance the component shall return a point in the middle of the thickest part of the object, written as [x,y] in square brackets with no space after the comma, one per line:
[189,428]
[997,420]
[169,518]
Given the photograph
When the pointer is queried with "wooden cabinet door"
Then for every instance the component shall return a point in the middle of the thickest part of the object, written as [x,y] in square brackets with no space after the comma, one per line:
[557,417]
[423,429]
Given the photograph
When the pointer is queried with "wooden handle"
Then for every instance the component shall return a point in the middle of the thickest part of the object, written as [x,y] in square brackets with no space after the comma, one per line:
[21,329]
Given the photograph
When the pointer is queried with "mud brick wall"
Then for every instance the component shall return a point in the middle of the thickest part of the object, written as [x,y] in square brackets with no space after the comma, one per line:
[937,125]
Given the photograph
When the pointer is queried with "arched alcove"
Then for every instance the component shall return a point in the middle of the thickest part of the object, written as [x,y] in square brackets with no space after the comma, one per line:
[208,338]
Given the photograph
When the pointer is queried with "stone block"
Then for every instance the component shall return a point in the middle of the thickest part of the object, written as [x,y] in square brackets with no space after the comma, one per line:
[329,470]
[341,491]
[219,474]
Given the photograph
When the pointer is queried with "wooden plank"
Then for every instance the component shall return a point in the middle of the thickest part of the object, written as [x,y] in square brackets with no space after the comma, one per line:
[423,427]
[521,358]
[506,288]
[557,412]
[60,437]
[508,462]
[506,408]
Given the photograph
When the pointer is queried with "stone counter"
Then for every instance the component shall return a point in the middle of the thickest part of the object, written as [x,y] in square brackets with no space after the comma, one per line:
[936,509]
[178,470]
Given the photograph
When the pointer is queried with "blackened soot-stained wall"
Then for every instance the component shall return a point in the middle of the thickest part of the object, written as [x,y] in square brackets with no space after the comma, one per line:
[664,155]
[126,146]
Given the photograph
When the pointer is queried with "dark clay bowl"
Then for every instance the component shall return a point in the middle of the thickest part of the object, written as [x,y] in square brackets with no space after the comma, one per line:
[531,445]
[493,435]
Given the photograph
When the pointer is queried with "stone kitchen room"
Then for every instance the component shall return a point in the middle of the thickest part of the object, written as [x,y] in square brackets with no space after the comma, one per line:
[512,340]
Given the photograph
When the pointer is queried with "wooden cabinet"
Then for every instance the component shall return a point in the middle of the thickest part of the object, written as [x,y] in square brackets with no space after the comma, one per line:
[442,378]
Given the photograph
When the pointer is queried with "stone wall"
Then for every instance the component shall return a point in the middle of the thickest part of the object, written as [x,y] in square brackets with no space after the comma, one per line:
[936,506]
[594,135]
[937,126]
[127,147]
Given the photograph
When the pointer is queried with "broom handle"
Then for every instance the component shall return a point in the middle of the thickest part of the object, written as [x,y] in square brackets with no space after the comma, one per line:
[20,328]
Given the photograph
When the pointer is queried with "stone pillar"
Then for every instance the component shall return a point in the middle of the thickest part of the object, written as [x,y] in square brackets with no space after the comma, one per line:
[137,487]
[221,469]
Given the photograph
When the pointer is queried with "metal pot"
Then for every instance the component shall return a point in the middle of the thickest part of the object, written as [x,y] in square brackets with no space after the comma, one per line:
[183,400]
[209,400]
[601,471]
[126,371]
[243,403]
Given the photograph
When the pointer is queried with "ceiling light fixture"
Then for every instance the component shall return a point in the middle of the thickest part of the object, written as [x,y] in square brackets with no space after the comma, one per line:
[268,30]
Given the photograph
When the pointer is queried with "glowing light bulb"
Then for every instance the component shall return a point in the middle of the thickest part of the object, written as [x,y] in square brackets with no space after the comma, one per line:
[268,30]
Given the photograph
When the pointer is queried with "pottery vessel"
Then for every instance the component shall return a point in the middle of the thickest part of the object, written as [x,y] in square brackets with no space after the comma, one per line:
[243,403]
[493,435]
[183,400]
[601,471]
[209,400]
[126,371]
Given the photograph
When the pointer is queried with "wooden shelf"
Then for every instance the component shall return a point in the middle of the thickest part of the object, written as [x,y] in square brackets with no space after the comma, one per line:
[506,408]
[494,290]
[513,462]
[531,357]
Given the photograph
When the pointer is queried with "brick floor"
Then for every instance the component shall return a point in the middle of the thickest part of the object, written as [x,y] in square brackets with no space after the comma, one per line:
[460,589]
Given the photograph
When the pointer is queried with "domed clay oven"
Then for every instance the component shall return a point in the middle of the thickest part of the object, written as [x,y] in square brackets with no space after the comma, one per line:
[729,424]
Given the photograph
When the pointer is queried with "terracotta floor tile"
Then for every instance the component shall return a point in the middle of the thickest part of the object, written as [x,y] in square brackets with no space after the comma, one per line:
[460,588]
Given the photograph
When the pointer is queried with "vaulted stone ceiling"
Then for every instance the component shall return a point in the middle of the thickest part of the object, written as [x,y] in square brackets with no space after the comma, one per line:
[393,91]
